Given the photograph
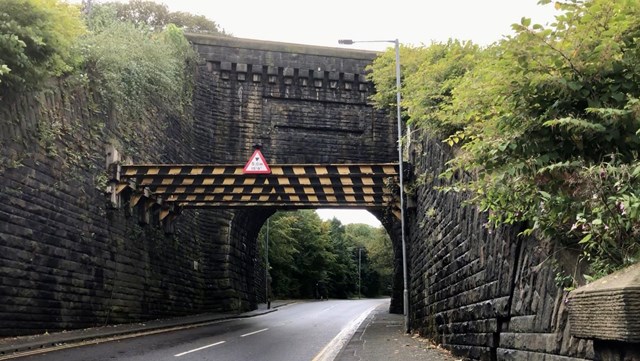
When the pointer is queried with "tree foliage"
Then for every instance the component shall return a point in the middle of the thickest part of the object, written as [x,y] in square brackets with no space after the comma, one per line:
[547,124]
[377,257]
[156,16]
[38,40]
[308,257]
[137,69]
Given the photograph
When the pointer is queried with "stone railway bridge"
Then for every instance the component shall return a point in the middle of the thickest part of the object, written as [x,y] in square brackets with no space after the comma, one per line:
[68,260]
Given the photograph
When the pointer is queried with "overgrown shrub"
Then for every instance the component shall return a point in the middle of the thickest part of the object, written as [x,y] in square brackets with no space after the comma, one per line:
[547,124]
[38,40]
[137,69]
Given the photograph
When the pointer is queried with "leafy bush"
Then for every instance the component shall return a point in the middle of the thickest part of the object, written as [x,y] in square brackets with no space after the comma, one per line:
[37,41]
[547,121]
[137,69]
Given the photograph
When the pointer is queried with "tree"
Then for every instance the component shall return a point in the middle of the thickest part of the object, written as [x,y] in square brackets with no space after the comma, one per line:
[157,16]
[377,257]
[300,254]
[545,122]
[305,252]
[343,276]
[38,40]
[283,251]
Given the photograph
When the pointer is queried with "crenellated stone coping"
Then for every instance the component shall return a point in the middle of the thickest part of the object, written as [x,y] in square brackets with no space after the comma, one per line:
[609,308]
[276,46]
[317,78]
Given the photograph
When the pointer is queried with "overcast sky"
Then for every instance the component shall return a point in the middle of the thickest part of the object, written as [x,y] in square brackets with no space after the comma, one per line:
[323,22]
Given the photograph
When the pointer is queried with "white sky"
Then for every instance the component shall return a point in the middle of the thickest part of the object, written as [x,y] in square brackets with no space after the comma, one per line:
[347,216]
[323,22]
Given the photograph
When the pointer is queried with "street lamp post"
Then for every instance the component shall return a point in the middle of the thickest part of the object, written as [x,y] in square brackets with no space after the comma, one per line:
[359,270]
[266,269]
[405,294]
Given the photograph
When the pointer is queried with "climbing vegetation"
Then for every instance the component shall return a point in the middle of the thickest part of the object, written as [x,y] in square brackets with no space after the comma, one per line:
[132,58]
[545,123]
[136,69]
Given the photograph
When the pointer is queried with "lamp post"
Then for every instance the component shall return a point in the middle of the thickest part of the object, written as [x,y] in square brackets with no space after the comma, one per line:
[405,294]
[359,270]
[266,269]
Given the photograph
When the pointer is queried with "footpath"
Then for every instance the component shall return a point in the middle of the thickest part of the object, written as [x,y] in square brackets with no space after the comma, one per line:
[380,336]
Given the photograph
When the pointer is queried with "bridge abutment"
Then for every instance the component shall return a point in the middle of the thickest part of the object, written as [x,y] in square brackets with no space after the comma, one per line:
[68,260]
[485,293]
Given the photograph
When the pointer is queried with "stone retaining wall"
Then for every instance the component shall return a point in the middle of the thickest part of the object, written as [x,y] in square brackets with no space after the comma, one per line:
[484,293]
[66,260]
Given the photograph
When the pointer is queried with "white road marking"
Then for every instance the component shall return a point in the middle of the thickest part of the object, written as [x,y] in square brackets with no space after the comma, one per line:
[326,309]
[199,348]
[254,332]
[331,350]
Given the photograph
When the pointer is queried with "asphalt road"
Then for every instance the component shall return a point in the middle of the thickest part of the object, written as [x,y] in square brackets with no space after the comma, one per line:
[313,331]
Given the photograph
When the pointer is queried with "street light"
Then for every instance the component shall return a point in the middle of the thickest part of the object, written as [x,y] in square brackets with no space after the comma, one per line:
[266,268]
[396,42]
[359,271]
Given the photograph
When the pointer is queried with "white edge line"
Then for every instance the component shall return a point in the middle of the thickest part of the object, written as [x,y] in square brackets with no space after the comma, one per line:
[199,348]
[331,350]
[254,332]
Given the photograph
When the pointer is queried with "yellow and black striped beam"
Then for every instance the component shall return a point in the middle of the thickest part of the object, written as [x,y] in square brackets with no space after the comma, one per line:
[288,186]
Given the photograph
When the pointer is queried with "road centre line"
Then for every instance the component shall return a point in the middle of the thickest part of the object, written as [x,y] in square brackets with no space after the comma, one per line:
[199,348]
[327,309]
[254,332]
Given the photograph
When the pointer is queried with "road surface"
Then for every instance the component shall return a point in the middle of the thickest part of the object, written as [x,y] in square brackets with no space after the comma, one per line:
[313,331]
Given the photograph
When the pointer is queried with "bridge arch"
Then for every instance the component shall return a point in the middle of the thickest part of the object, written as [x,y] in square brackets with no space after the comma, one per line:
[303,105]
[82,264]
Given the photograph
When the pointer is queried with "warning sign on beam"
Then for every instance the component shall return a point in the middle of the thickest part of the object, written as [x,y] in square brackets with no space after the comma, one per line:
[256,164]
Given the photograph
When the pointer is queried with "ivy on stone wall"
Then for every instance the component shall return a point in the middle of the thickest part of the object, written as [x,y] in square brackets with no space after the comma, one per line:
[545,122]
[137,72]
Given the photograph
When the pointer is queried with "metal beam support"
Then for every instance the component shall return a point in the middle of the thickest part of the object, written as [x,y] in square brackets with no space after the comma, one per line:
[288,186]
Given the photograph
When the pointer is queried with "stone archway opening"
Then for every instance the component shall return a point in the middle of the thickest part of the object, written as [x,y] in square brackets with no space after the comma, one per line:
[159,193]
[313,257]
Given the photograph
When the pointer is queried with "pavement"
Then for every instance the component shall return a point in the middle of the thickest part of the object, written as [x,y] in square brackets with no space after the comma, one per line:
[379,337]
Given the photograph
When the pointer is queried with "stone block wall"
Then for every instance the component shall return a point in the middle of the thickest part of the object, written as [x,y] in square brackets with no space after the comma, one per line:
[302,104]
[66,260]
[483,293]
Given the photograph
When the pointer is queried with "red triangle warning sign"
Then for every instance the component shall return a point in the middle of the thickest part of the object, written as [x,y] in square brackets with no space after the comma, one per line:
[256,164]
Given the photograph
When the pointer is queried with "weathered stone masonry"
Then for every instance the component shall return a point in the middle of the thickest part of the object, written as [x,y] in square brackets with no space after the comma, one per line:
[302,104]
[484,293]
[67,261]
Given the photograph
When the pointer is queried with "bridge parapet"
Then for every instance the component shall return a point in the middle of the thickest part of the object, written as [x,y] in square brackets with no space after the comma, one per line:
[303,104]
[608,312]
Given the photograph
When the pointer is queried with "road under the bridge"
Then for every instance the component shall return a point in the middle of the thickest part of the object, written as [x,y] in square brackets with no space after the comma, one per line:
[302,331]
